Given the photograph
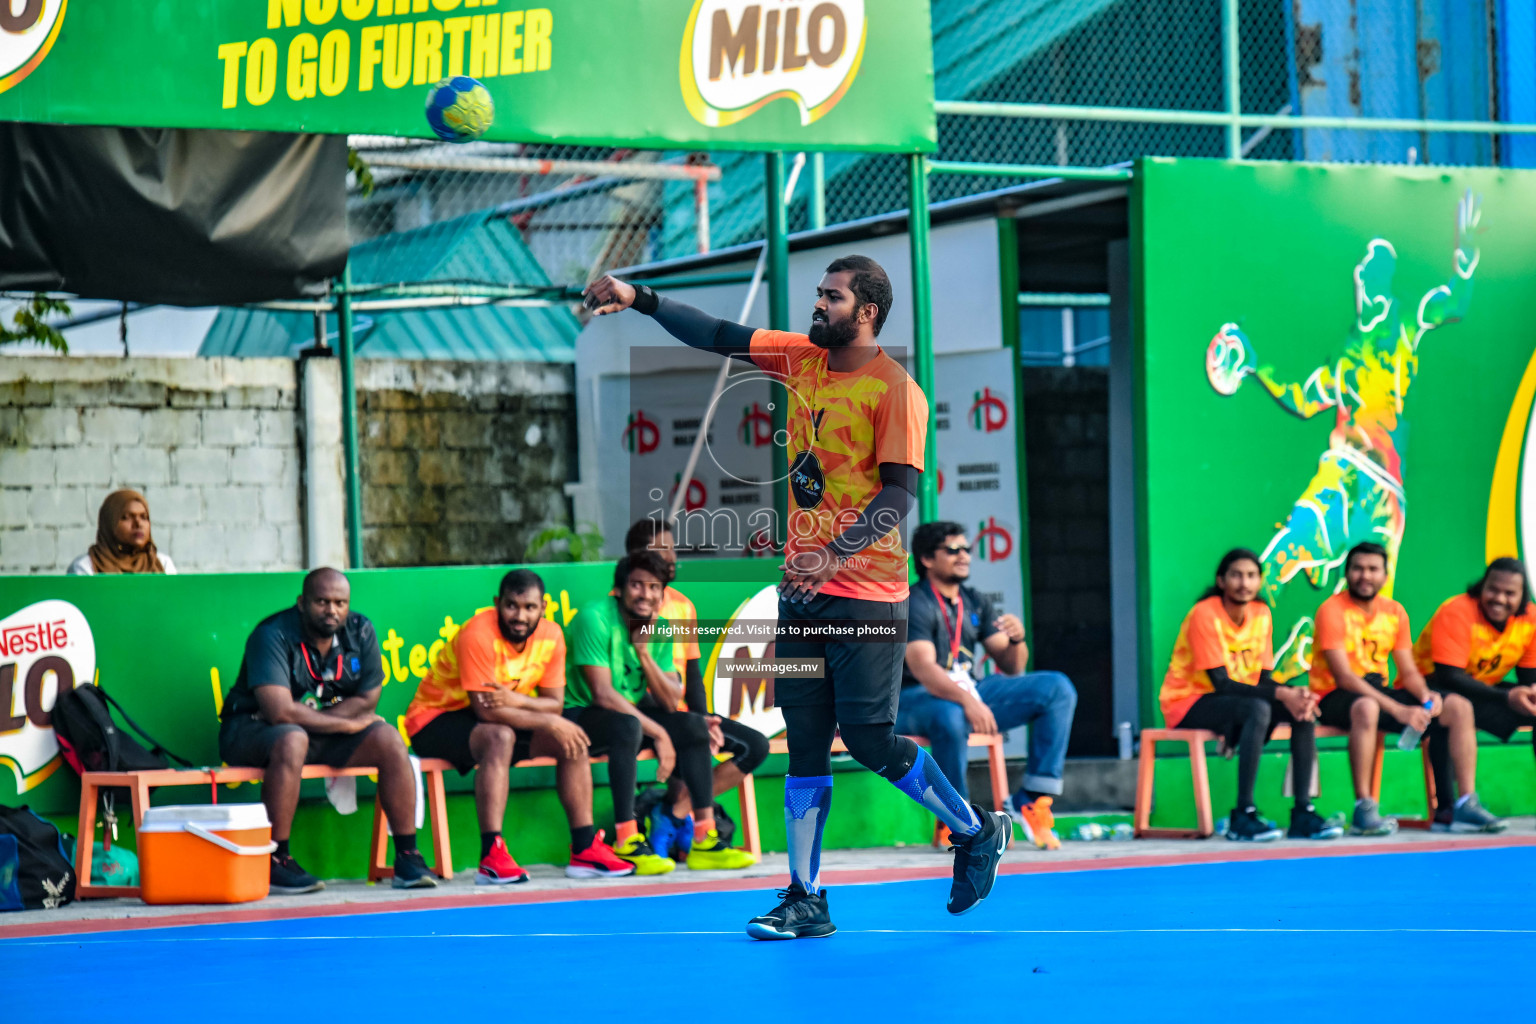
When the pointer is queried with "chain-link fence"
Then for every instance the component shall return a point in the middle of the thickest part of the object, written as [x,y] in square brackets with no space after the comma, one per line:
[1401,59]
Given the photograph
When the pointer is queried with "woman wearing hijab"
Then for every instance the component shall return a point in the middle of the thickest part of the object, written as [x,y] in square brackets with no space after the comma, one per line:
[123,544]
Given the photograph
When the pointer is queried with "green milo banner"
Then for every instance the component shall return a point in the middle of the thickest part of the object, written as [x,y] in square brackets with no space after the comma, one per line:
[168,648]
[1329,355]
[727,74]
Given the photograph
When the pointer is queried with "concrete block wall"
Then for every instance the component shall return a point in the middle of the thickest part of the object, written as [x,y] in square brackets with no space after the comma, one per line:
[462,463]
[211,443]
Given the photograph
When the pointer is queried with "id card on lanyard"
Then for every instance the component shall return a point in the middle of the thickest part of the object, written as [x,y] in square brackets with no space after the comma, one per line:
[959,673]
[319,678]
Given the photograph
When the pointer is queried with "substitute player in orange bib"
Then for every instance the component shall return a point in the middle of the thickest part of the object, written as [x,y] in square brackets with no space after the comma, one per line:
[1469,647]
[1220,679]
[1358,631]
[857,425]
[493,697]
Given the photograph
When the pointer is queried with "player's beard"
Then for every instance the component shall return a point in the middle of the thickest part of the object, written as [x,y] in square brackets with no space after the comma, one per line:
[1363,599]
[833,334]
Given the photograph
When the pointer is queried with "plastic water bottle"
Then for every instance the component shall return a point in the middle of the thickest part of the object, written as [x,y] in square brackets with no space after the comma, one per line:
[1122,832]
[1409,738]
[1089,832]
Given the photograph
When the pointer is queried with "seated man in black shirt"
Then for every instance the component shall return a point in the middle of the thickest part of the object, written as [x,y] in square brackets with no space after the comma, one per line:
[308,686]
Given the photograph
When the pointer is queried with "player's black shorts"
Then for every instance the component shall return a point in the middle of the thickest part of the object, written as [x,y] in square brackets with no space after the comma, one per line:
[447,737]
[247,741]
[863,677]
[1333,710]
[1491,710]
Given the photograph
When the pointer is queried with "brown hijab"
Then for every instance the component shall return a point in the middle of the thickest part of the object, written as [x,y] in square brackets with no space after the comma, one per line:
[109,554]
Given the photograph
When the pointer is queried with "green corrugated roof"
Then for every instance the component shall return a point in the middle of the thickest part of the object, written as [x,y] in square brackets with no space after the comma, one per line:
[480,247]
[975,43]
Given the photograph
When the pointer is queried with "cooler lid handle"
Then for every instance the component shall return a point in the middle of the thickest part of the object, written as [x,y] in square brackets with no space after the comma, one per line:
[232,847]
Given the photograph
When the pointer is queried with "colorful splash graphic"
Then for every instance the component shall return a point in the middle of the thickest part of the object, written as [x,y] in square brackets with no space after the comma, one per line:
[1357,493]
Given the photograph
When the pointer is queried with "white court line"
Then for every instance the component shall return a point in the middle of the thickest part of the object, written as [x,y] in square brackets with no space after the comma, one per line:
[845,931]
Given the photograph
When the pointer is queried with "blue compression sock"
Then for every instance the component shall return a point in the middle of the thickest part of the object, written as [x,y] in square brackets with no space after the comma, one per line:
[926,784]
[806,802]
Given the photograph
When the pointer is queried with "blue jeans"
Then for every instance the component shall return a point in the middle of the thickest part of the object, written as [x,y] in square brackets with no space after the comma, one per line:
[1045,701]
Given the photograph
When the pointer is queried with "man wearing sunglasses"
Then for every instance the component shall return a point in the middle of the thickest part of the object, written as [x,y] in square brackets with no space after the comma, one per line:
[944,697]
[307,693]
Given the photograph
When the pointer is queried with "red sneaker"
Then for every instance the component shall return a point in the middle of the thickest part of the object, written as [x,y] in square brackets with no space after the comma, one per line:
[598,861]
[498,867]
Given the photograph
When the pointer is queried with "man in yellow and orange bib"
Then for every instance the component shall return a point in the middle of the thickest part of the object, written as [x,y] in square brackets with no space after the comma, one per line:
[1473,642]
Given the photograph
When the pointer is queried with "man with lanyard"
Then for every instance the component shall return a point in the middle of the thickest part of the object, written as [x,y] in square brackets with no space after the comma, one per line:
[622,690]
[859,424]
[1473,641]
[671,826]
[494,696]
[308,687]
[942,698]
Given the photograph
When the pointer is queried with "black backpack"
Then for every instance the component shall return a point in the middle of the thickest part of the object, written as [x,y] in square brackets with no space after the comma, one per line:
[91,741]
[44,874]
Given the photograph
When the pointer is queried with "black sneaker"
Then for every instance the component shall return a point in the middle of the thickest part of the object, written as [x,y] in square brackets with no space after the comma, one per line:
[288,879]
[1246,826]
[411,872]
[799,915]
[1308,824]
[977,859]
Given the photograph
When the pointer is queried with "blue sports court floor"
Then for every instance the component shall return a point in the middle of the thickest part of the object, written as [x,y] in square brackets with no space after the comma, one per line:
[1392,936]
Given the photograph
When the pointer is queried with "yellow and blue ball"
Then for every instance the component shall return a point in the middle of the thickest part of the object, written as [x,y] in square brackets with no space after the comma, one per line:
[459,109]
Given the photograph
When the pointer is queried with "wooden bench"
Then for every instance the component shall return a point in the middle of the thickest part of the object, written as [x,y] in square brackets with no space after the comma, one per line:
[1195,740]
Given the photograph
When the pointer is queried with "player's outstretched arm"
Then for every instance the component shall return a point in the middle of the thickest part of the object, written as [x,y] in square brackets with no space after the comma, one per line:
[693,327]
[1230,358]
[1448,302]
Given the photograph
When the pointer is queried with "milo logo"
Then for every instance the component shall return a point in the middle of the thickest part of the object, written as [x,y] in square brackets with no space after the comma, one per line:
[738,56]
[45,649]
[27,31]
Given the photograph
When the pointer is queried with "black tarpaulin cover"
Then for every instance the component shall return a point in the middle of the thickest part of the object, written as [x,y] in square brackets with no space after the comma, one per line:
[188,218]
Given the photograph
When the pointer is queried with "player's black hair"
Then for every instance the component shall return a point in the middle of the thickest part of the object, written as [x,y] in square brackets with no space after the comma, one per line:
[1227,561]
[870,284]
[1511,565]
[643,532]
[928,538]
[520,581]
[645,560]
[1368,547]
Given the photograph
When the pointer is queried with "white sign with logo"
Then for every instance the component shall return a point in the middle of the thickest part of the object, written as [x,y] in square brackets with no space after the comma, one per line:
[44,648]
[748,701]
[978,467]
[740,55]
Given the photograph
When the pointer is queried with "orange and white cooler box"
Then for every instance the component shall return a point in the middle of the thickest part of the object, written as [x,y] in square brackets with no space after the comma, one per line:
[205,854]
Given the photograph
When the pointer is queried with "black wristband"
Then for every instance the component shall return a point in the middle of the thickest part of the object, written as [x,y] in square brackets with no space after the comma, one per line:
[646,300]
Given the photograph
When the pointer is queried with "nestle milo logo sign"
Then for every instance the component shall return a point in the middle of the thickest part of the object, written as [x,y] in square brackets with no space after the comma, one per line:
[739,55]
[27,31]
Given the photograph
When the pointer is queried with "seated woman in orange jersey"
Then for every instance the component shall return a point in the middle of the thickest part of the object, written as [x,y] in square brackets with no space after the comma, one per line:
[1473,641]
[1219,679]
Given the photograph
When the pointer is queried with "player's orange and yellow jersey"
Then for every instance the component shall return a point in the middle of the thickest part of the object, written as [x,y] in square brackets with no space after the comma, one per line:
[1210,639]
[479,658]
[1459,635]
[841,427]
[680,612]
[1367,636]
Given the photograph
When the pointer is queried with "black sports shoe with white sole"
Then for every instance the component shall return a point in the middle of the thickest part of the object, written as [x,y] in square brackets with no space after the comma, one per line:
[977,859]
[411,872]
[288,879]
[799,915]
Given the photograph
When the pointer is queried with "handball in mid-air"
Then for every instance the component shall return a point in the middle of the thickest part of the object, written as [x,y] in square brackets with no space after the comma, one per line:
[460,109]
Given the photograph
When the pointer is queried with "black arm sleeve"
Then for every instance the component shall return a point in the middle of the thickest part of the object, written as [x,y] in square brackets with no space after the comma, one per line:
[1525,676]
[694,327]
[1229,687]
[885,511]
[1454,679]
[693,688]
